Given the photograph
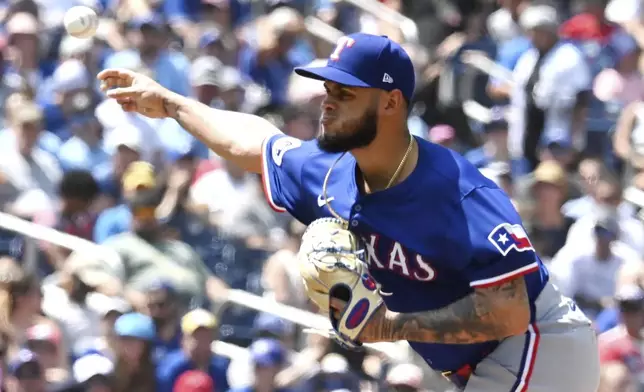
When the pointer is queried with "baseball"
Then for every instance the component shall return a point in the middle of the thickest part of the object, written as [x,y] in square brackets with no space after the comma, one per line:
[81,22]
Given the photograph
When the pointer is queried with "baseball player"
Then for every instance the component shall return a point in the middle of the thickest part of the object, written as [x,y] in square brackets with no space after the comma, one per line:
[456,274]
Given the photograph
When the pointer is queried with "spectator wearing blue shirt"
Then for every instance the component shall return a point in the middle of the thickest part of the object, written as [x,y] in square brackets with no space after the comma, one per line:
[68,92]
[507,55]
[139,177]
[84,150]
[278,51]
[125,144]
[198,328]
[148,36]
[135,368]
[268,357]
[163,307]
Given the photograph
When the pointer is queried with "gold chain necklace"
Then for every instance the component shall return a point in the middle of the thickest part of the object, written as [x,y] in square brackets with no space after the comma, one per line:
[391,180]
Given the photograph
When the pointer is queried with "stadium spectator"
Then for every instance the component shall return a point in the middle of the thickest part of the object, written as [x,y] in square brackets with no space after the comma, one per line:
[26,374]
[94,373]
[589,275]
[147,257]
[135,368]
[136,177]
[268,358]
[552,83]
[194,381]
[67,299]
[162,305]
[26,167]
[198,328]
[620,355]
[608,197]
[20,304]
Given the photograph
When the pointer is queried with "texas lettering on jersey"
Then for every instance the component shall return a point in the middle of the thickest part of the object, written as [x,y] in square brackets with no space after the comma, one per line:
[398,259]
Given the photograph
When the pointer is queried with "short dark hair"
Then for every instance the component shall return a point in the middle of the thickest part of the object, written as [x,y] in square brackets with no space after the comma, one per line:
[78,184]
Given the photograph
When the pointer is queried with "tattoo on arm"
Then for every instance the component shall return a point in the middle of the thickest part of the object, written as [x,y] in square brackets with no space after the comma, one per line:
[488,314]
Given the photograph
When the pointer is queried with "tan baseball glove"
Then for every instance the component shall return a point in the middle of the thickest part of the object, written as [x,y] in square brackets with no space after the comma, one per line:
[331,266]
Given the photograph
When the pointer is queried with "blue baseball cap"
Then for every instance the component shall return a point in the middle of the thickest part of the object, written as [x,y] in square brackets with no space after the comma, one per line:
[267,352]
[367,60]
[135,325]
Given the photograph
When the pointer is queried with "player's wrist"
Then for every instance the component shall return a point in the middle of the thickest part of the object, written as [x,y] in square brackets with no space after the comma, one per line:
[171,103]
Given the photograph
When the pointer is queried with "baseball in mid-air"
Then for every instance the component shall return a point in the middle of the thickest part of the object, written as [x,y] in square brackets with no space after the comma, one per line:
[81,22]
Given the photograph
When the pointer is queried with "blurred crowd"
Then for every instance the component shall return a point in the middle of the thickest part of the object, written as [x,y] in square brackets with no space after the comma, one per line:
[545,97]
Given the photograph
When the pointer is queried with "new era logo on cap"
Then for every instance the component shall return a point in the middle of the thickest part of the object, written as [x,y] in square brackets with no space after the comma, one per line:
[367,60]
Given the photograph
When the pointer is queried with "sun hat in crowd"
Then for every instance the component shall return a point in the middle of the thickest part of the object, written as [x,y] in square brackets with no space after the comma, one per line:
[203,71]
[135,325]
[139,174]
[89,366]
[629,293]
[93,275]
[197,318]
[550,172]
[22,23]
[539,16]
[126,135]
[194,381]
[105,304]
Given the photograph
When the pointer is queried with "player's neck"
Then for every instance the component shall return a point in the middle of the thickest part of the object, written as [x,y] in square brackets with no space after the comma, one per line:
[378,163]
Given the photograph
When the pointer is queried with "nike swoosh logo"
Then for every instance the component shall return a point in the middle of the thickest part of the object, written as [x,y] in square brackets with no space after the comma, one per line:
[322,201]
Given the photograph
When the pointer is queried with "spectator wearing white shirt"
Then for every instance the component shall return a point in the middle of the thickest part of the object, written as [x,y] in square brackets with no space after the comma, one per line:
[26,167]
[608,201]
[588,274]
[552,82]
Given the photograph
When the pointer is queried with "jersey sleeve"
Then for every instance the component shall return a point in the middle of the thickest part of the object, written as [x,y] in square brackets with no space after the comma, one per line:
[499,248]
[283,158]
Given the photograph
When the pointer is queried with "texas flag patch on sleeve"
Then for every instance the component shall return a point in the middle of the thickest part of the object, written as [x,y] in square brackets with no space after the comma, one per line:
[506,237]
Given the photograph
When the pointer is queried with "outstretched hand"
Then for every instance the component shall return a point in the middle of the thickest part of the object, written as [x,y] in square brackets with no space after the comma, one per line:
[135,92]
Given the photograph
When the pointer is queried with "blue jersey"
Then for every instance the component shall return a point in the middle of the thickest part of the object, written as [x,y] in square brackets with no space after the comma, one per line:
[430,240]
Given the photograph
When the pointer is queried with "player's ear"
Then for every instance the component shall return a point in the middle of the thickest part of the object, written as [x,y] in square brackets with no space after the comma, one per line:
[392,102]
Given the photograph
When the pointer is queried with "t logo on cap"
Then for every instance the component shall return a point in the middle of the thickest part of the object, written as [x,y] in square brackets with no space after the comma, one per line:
[367,60]
[343,42]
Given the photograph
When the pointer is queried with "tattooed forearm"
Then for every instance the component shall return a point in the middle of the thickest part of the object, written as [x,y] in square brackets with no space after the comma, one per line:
[487,314]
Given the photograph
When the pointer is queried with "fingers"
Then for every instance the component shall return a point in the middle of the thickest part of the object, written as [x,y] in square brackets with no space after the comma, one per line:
[128,106]
[116,73]
[115,78]
[122,94]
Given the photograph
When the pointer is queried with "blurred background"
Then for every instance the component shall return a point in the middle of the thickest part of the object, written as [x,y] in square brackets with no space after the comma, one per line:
[546,98]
